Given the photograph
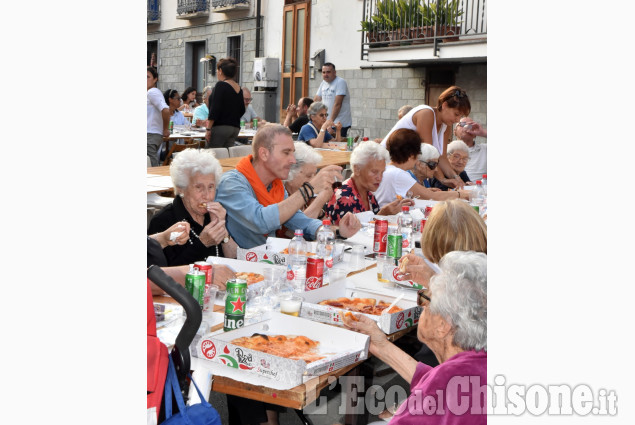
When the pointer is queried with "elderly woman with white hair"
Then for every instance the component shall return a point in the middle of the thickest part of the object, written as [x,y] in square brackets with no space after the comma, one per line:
[458,156]
[453,323]
[194,175]
[423,171]
[309,132]
[368,162]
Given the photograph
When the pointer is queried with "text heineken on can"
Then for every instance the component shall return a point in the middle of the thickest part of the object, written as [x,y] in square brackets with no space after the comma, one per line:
[394,243]
[235,304]
[254,124]
[349,143]
[195,285]
[314,273]
[381,233]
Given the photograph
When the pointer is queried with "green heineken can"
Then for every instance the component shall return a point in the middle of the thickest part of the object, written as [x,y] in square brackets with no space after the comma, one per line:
[242,124]
[235,304]
[475,208]
[171,126]
[254,124]
[349,143]
[393,242]
[195,285]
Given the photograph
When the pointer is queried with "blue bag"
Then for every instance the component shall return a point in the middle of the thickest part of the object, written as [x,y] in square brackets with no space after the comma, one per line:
[198,414]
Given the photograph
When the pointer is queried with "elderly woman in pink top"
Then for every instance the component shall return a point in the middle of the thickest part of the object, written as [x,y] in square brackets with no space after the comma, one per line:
[453,323]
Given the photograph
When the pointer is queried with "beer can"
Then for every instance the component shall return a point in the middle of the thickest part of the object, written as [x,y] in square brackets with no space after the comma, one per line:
[254,124]
[171,126]
[195,285]
[381,233]
[349,143]
[314,273]
[476,208]
[242,124]
[236,291]
[394,243]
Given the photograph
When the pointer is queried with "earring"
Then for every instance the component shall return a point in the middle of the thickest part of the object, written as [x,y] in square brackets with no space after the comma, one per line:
[181,195]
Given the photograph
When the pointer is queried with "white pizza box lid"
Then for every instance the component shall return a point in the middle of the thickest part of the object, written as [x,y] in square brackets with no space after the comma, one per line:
[341,347]
[389,323]
[368,280]
[271,252]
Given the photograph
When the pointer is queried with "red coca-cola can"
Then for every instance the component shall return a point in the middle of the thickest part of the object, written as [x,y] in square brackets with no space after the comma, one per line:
[423,223]
[207,269]
[314,273]
[427,211]
[381,234]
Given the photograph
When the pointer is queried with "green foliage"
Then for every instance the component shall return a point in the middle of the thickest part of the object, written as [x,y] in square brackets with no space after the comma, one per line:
[397,14]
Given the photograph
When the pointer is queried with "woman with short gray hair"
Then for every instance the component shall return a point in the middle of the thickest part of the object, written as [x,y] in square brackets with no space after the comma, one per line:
[453,323]
[368,162]
[309,133]
[194,174]
[458,155]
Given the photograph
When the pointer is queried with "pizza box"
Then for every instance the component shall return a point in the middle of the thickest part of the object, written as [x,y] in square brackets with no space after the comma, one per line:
[271,252]
[389,323]
[341,347]
[367,280]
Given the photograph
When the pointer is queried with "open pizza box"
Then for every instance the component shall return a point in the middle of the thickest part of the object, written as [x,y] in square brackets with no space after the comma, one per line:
[389,323]
[367,280]
[340,346]
[272,252]
[244,266]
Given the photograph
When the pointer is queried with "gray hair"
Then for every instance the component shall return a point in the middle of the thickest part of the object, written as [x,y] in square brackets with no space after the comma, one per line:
[428,152]
[404,110]
[304,154]
[367,151]
[190,162]
[457,145]
[315,108]
[206,92]
[459,295]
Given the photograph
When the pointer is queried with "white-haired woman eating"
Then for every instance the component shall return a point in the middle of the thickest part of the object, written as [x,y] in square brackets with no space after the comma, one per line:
[368,161]
[194,175]
[453,323]
[458,156]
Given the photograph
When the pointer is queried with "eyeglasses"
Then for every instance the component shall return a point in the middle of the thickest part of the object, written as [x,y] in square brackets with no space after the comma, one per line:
[431,165]
[458,94]
[323,115]
[422,299]
[459,158]
[248,99]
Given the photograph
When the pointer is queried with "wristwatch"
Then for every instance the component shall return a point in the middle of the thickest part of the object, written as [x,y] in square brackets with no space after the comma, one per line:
[226,239]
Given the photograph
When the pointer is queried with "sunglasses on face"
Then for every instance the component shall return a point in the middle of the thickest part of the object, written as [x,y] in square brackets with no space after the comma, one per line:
[422,299]
[431,165]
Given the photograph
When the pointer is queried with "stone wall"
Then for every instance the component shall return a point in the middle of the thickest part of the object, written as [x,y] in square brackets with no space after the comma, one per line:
[377,94]
[172,49]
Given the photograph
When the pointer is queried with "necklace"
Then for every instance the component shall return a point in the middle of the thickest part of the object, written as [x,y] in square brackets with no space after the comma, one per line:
[198,237]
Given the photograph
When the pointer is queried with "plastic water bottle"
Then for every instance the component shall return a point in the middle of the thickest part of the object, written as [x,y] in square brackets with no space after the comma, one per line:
[404,221]
[478,196]
[325,246]
[484,184]
[296,271]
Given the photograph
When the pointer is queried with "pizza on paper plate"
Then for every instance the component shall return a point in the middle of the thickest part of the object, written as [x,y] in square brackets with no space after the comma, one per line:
[290,347]
[250,277]
[361,305]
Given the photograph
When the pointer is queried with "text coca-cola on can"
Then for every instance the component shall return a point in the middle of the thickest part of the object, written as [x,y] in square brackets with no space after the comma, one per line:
[314,273]
[381,234]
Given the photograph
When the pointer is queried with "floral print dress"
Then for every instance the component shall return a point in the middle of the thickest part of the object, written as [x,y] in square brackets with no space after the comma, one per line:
[347,199]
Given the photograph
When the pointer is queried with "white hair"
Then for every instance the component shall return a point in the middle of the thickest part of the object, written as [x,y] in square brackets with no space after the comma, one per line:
[367,151]
[315,108]
[459,295]
[428,152]
[192,161]
[457,145]
[304,154]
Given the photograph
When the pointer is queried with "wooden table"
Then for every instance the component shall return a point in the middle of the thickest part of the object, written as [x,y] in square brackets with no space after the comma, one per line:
[295,398]
[340,158]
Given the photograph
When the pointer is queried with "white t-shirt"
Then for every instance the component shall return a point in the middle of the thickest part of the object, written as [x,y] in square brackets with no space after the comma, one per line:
[406,122]
[328,92]
[395,181]
[249,115]
[477,165]
[156,104]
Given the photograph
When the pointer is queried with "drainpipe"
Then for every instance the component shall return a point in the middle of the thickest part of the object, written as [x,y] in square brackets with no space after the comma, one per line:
[257,28]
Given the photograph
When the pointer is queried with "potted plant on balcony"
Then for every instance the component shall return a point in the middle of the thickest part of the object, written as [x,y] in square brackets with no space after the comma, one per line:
[446,16]
[373,35]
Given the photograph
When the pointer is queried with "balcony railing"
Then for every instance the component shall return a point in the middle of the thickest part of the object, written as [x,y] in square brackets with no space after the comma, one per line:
[154,11]
[389,23]
[229,5]
[189,9]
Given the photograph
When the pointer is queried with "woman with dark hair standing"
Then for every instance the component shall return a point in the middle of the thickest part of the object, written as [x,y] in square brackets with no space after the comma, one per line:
[226,106]
[158,118]
[189,100]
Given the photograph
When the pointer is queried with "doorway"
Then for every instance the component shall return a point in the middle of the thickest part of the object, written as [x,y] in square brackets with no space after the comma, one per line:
[295,60]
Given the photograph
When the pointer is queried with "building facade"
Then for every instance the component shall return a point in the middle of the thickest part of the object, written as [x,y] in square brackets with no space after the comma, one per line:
[396,57]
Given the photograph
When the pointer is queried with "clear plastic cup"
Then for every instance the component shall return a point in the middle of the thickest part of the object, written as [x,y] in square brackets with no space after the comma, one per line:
[210,298]
[291,305]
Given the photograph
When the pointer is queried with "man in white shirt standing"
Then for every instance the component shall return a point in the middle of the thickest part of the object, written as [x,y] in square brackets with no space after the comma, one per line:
[333,92]
[467,130]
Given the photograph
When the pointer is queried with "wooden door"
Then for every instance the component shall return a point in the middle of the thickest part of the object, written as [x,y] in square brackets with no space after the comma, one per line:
[295,57]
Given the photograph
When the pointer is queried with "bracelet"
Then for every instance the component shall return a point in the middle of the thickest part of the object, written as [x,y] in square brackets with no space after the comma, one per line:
[322,130]
[304,196]
[306,186]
